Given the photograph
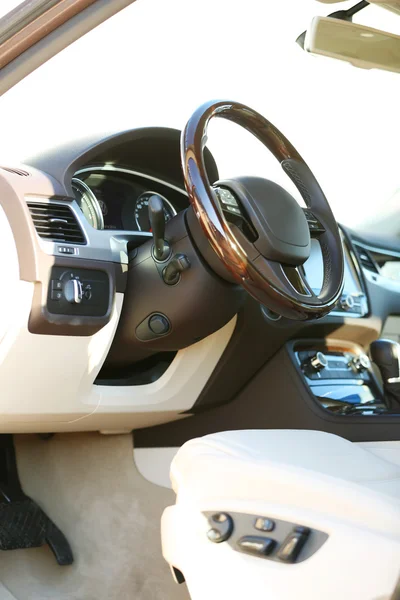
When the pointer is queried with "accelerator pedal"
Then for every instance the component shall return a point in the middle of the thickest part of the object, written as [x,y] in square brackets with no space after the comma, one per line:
[23,524]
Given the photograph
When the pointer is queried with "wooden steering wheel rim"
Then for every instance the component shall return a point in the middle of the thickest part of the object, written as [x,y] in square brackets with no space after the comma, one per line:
[263,279]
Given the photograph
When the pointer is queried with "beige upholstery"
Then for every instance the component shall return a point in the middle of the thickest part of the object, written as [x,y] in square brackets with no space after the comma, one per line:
[313,478]
[321,471]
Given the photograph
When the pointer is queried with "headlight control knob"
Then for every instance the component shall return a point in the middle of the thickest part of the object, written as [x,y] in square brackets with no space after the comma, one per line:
[73,291]
[318,362]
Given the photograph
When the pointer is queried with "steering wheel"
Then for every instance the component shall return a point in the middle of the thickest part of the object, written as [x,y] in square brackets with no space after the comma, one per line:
[256,228]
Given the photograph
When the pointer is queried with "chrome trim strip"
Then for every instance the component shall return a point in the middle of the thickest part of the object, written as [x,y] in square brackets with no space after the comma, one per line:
[116,169]
[347,315]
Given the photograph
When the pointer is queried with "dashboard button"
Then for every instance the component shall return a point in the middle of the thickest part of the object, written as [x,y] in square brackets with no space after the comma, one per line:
[361,363]
[56,284]
[56,295]
[159,324]
[347,302]
[66,250]
[317,362]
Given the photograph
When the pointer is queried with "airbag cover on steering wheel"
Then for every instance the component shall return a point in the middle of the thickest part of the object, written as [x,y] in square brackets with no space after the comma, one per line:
[283,230]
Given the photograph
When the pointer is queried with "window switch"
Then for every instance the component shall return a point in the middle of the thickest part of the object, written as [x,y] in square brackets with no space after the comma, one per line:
[293,544]
[257,545]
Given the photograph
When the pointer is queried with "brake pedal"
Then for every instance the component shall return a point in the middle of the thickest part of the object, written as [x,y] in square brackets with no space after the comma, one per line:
[23,524]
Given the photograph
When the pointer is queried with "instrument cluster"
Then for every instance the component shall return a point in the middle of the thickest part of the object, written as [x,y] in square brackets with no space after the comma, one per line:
[117,198]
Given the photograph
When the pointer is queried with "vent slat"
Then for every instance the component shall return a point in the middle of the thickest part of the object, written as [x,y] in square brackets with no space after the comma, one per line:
[15,171]
[56,222]
[47,225]
[365,259]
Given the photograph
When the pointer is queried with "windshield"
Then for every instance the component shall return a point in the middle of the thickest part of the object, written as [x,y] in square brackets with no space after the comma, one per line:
[156,61]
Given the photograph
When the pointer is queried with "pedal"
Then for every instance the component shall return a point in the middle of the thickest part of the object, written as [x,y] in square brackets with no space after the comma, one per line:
[23,524]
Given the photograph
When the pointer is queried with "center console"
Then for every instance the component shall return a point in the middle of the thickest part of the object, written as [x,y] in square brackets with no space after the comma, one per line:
[340,377]
[338,374]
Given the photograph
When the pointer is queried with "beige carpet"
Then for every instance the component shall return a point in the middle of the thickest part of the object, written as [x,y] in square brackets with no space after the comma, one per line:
[88,484]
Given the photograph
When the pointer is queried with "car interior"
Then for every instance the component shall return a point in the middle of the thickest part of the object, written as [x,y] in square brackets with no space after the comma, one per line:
[200,375]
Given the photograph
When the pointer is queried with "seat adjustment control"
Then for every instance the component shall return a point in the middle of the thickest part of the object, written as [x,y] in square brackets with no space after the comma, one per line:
[253,544]
[263,524]
[293,544]
[290,543]
[221,528]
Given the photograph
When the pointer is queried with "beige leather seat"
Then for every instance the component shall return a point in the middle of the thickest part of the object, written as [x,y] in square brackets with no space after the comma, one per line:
[316,480]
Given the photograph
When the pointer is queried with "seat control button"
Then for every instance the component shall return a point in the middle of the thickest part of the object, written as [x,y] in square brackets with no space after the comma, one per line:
[263,524]
[253,544]
[293,544]
[221,528]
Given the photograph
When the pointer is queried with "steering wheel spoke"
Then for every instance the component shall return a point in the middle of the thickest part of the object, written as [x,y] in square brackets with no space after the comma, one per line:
[298,280]
[314,225]
[234,212]
[288,281]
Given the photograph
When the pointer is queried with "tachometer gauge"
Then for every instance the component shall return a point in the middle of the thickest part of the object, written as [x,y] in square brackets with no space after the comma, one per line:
[142,210]
[88,203]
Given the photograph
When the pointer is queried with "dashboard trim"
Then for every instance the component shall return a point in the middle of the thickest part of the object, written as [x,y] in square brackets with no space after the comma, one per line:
[383,251]
[117,169]
[95,202]
[107,245]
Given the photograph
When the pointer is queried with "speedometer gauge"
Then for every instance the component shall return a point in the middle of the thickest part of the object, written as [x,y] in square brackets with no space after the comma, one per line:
[142,210]
[88,203]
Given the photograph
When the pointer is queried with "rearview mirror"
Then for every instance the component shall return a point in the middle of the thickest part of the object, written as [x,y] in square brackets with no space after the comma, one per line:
[362,46]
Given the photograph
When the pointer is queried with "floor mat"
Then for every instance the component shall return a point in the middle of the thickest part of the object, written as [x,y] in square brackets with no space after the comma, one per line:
[88,484]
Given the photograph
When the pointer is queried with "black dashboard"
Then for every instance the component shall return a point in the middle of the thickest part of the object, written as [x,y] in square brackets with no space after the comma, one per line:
[120,170]
[115,198]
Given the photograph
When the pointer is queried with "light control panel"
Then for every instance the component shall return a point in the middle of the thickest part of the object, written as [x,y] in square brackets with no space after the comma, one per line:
[83,292]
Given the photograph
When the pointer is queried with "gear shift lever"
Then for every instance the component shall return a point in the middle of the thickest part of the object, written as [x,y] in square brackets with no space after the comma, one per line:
[386,355]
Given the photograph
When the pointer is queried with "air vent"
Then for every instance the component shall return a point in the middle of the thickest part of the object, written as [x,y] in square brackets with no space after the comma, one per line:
[56,223]
[366,259]
[14,171]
